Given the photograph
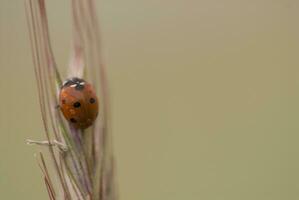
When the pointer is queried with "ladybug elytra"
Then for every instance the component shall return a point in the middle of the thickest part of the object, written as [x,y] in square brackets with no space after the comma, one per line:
[78,102]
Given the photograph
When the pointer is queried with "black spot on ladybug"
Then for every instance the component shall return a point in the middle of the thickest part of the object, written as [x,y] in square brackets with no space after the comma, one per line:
[77,104]
[63,101]
[92,100]
[73,120]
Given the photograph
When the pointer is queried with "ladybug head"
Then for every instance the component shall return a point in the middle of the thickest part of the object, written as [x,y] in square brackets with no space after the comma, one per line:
[74,82]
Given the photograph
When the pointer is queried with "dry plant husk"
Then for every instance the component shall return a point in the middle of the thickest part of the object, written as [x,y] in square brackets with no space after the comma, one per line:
[81,162]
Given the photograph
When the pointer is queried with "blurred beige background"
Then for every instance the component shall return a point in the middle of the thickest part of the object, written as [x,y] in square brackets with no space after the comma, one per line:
[204,95]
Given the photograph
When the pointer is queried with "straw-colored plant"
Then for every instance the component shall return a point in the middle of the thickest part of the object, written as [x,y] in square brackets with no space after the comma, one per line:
[81,161]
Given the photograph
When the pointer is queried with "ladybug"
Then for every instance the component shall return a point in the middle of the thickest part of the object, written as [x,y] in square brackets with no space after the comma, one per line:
[78,102]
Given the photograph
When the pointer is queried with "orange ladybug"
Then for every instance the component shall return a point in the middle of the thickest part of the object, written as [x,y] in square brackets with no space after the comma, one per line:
[78,103]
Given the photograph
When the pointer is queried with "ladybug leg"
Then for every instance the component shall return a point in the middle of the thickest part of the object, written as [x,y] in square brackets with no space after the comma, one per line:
[57,106]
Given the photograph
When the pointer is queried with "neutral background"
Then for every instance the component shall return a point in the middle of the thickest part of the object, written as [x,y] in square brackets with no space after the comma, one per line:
[204,98]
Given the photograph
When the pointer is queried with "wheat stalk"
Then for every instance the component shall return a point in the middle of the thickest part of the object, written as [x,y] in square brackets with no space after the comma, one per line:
[82,161]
